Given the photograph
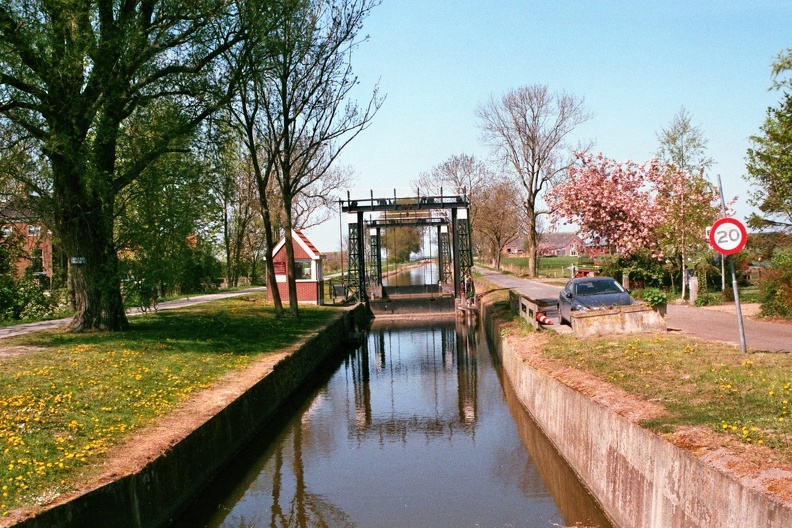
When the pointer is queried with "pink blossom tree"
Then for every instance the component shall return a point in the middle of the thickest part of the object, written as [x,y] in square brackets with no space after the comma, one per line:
[612,202]
[653,207]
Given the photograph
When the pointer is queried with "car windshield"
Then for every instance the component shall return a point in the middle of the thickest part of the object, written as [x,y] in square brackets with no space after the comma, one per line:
[597,287]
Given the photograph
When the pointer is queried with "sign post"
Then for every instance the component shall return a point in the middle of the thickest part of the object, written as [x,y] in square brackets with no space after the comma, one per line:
[728,236]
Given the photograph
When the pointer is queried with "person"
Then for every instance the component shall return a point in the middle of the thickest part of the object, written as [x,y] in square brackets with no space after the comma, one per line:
[470,290]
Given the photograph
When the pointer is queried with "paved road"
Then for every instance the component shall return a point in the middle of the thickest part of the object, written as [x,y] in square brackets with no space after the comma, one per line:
[10,331]
[715,325]
[706,323]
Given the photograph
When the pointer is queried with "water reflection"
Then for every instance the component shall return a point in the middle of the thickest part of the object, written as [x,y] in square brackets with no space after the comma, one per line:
[572,498]
[405,391]
[422,274]
[411,430]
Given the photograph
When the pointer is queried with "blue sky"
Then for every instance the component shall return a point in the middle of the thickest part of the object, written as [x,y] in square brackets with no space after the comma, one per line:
[635,63]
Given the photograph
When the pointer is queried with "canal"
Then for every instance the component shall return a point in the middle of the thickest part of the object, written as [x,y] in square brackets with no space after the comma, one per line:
[418,275]
[417,427]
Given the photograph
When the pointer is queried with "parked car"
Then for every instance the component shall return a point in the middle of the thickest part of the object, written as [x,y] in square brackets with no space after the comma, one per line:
[589,293]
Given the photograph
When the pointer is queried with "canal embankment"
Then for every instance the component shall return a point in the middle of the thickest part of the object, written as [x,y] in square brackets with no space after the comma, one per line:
[154,493]
[640,479]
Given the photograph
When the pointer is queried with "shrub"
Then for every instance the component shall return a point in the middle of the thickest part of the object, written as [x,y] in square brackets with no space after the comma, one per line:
[654,297]
[776,287]
[641,268]
[708,299]
[27,300]
[728,294]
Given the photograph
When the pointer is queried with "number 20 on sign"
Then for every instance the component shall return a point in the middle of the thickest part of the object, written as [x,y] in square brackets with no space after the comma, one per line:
[728,236]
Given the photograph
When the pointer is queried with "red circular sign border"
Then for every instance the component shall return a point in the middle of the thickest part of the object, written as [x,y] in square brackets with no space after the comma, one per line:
[735,222]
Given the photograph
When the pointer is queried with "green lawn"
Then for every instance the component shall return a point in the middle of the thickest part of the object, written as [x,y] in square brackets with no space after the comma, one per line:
[71,397]
[698,382]
[551,267]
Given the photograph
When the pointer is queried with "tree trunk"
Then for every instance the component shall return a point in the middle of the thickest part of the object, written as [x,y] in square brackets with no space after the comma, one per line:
[269,244]
[98,297]
[531,243]
[293,304]
[684,276]
[84,220]
[94,273]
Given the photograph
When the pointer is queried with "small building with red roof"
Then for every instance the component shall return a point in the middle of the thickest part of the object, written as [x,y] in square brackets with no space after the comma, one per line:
[307,270]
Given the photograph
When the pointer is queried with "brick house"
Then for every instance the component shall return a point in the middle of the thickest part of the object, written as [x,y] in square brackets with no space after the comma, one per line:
[308,270]
[36,241]
[561,245]
[515,246]
[598,246]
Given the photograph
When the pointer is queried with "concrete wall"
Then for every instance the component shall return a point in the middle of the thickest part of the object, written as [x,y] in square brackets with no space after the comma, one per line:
[411,305]
[162,489]
[633,319]
[640,480]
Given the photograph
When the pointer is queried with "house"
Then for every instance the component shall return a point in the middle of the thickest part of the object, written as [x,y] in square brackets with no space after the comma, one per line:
[36,247]
[515,246]
[598,246]
[561,245]
[307,270]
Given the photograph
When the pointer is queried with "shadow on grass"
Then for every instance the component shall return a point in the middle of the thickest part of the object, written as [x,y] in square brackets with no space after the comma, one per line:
[229,326]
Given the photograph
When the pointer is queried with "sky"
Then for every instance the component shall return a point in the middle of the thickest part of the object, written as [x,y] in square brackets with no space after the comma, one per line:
[635,64]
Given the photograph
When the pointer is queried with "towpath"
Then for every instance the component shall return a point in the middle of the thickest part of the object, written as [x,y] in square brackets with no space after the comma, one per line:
[11,331]
[714,323]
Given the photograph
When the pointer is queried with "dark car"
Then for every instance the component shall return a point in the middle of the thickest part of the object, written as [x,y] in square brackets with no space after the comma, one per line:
[589,293]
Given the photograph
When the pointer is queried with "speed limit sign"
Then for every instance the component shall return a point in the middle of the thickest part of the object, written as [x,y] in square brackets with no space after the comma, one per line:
[728,236]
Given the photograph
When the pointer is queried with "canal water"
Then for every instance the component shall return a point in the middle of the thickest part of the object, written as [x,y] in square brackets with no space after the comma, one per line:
[420,275]
[416,428]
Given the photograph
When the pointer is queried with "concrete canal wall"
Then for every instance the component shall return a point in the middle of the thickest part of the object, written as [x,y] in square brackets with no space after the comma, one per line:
[152,496]
[639,479]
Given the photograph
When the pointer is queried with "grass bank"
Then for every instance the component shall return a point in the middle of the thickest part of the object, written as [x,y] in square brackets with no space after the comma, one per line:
[65,399]
[699,383]
[745,397]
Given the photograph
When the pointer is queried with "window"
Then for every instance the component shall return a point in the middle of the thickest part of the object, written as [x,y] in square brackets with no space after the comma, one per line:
[302,269]
[7,231]
[34,230]
[37,261]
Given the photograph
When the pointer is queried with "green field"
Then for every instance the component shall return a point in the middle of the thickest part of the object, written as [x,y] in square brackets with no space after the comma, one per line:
[549,267]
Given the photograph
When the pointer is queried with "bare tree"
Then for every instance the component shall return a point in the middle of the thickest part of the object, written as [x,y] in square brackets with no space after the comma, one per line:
[316,203]
[529,128]
[251,124]
[306,85]
[458,174]
[500,217]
